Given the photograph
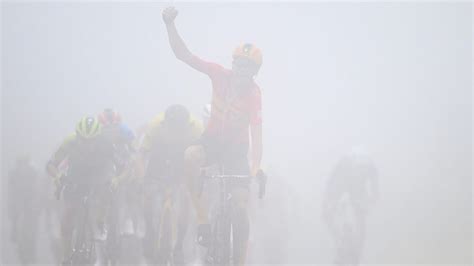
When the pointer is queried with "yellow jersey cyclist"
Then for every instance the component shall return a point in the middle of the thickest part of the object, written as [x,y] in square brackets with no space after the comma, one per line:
[161,159]
[236,112]
[90,162]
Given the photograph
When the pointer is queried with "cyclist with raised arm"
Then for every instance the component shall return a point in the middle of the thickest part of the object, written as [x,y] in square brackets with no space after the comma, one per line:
[90,162]
[351,190]
[236,108]
[161,162]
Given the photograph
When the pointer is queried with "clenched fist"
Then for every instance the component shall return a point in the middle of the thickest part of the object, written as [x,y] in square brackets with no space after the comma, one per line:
[169,14]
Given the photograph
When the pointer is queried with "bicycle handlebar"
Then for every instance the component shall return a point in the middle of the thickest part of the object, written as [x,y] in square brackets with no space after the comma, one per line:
[261,179]
[65,181]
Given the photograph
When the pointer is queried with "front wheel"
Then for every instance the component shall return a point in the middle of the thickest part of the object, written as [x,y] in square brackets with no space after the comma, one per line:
[219,252]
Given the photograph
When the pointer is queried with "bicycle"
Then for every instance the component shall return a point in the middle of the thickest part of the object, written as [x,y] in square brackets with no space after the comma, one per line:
[220,249]
[346,234]
[84,250]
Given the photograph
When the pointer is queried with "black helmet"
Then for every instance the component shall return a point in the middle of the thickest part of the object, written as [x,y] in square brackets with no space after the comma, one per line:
[177,115]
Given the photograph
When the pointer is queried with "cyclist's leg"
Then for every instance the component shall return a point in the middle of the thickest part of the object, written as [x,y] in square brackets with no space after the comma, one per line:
[195,157]
[97,223]
[133,206]
[182,221]
[236,162]
[167,222]
[148,217]
[111,205]
[182,218]
[240,223]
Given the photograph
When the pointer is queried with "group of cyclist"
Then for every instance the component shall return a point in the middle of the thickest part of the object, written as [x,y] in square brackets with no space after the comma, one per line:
[104,152]
[103,161]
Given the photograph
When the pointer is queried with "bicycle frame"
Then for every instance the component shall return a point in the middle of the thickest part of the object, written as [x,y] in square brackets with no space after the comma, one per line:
[83,246]
[84,252]
[220,251]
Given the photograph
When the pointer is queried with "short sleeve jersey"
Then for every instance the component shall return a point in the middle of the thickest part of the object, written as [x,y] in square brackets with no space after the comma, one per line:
[231,115]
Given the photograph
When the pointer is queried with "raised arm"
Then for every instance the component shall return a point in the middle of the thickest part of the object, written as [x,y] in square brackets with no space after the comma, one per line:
[178,46]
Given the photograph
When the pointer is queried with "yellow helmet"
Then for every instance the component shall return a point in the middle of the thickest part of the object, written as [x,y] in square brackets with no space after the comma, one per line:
[250,51]
[88,127]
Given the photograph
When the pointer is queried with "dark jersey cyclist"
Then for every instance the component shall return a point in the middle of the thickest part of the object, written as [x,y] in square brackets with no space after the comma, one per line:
[90,162]
[351,190]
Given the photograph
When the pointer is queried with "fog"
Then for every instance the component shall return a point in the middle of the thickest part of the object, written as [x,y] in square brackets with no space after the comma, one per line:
[394,77]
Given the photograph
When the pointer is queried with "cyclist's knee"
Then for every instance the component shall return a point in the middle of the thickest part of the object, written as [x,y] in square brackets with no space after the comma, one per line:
[195,156]
[240,199]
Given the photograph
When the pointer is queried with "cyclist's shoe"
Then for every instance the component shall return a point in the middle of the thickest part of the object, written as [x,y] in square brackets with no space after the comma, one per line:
[204,235]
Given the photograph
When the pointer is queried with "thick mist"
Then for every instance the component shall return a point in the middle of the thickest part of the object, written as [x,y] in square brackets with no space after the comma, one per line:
[393,77]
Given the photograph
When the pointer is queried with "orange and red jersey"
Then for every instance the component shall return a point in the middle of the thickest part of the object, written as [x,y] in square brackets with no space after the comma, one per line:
[231,113]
